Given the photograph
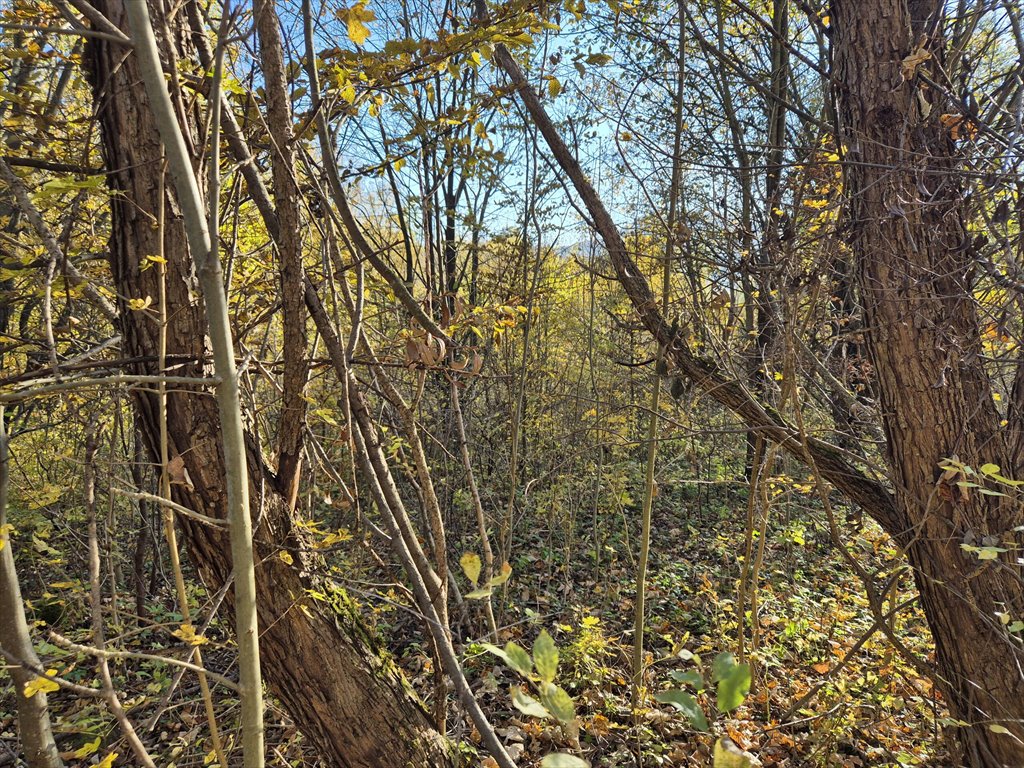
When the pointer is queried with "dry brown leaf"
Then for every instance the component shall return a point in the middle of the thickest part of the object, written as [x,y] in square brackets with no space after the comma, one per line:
[909,65]
[178,473]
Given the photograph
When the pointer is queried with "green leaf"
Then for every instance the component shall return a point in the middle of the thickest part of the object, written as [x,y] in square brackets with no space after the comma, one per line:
[545,656]
[692,677]
[520,658]
[996,728]
[989,469]
[722,665]
[728,755]
[558,702]
[471,566]
[514,656]
[527,704]
[563,760]
[733,688]
[686,704]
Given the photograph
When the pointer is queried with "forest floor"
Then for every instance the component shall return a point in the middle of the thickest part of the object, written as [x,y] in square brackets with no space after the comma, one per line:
[874,711]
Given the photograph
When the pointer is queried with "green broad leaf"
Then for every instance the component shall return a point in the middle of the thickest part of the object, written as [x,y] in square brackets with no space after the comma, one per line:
[563,760]
[722,665]
[989,469]
[996,728]
[514,656]
[471,566]
[545,657]
[1016,626]
[686,704]
[558,702]
[691,677]
[733,688]
[526,704]
[728,755]
[520,659]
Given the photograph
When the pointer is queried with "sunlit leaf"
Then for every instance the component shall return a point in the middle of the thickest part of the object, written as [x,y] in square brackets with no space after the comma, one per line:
[527,704]
[87,749]
[356,17]
[471,566]
[545,657]
[728,755]
[563,760]
[41,684]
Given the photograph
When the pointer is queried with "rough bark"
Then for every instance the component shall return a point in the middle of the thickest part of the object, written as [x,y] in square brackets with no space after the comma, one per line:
[289,247]
[318,657]
[916,283]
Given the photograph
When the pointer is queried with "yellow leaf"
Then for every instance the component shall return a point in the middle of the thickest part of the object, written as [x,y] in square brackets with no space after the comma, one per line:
[187,632]
[471,566]
[554,87]
[87,749]
[107,761]
[137,304]
[357,17]
[285,557]
[34,686]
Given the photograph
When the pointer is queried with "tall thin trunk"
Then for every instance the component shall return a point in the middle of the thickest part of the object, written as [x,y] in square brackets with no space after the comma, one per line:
[33,715]
[206,253]
[289,246]
[654,417]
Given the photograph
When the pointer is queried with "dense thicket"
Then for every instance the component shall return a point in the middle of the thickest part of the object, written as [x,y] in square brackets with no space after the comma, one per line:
[677,343]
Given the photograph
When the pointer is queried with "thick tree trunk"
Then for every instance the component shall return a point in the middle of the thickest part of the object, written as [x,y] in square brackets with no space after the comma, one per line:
[915,278]
[318,657]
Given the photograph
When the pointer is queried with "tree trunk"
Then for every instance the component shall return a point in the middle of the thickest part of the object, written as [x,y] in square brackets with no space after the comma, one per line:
[916,282]
[318,656]
[34,729]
